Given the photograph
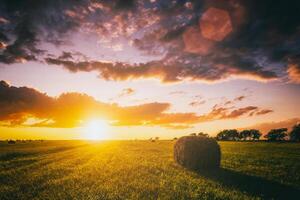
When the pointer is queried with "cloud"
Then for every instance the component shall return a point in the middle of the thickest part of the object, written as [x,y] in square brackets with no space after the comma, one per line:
[235,100]
[240,98]
[294,72]
[127,92]
[239,112]
[229,113]
[197,103]
[25,27]
[23,106]
[3,45]
[3,20]
[228,110]
[264,111]
[167,70]
[194,42]
[179,92]
[68,109]
[17,104]
[266,127]
[247,40]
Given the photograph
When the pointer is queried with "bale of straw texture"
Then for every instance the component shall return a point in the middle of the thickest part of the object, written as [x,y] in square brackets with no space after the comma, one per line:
[197,152]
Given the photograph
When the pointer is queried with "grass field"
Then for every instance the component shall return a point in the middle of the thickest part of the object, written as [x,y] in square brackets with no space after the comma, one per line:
[145,170]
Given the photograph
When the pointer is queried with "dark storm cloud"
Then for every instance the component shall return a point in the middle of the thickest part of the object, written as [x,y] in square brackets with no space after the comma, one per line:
[125,4]
[261,38]
[31,22]
[246,39]
[167,70]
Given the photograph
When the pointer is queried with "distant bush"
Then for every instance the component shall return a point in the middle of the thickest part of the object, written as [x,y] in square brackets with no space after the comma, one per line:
[197,152]
[295,133]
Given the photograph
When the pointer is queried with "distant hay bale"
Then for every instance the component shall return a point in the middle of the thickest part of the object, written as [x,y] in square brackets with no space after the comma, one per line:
[11,142]
[197,152]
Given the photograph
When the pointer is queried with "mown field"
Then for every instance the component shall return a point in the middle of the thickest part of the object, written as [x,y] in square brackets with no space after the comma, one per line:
[145,170]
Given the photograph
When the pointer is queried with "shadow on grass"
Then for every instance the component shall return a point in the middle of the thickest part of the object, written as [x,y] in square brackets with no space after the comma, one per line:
[16,155]
[252,185]
[13,155]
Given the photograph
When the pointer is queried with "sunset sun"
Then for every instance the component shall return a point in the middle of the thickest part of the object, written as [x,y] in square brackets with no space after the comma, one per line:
[96,130]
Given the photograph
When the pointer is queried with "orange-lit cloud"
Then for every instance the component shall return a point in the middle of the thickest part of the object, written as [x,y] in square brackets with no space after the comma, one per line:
[21,104]
[294,72]
[227,110]
[127,92]
[2,45]
[264,111]
[266,127]
[229,113]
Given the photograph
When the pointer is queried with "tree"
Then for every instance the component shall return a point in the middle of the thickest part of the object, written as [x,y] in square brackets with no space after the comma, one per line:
[228,134]
[193,134]
[276,134]
[245,134]
[251,134]
[255,134]
[295,133]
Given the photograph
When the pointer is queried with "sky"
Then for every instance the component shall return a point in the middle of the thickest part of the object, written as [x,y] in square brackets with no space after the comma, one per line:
[125,69]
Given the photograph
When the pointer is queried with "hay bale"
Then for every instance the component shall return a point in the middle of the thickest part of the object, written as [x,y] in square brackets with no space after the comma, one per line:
[197,152]
[11,142]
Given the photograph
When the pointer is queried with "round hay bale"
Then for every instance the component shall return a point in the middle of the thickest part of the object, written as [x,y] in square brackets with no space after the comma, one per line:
[197,152]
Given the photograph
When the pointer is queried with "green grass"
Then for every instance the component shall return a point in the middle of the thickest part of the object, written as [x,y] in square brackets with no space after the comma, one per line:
[145,170]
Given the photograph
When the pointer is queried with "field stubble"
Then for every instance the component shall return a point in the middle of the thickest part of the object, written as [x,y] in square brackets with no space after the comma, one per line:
[145,170]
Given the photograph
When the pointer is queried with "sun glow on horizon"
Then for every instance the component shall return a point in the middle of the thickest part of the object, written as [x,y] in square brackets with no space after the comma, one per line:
[96,130]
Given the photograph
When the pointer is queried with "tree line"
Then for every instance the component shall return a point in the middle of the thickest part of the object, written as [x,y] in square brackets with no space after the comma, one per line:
[279,134]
